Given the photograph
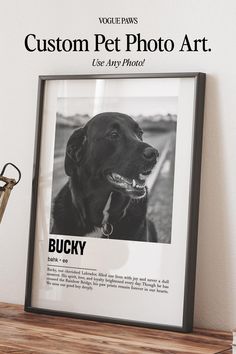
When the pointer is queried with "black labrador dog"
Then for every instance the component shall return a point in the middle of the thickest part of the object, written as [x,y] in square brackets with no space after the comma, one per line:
[107,163]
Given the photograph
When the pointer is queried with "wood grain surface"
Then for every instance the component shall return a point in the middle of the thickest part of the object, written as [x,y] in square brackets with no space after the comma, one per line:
[25,333]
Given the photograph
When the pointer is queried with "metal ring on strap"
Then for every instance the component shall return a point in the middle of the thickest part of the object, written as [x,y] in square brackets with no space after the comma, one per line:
[107,229]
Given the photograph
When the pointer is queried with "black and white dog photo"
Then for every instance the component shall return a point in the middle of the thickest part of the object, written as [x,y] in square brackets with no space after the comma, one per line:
[107,164]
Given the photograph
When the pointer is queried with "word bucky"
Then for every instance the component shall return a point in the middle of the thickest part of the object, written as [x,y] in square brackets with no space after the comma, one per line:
[66,246]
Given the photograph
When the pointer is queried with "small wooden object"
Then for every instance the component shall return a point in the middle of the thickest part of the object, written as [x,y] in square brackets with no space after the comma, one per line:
[6,189]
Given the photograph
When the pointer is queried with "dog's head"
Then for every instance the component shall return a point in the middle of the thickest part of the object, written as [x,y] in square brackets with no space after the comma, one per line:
[108,151]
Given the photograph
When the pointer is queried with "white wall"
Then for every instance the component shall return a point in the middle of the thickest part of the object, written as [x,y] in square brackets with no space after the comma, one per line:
[216,266]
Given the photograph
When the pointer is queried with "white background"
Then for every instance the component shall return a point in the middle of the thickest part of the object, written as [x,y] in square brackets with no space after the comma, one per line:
[216,266]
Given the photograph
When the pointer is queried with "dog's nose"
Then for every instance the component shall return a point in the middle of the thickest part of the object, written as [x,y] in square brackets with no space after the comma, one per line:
[150,153]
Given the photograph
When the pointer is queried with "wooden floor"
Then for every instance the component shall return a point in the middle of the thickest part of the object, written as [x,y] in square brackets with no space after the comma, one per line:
[26,333]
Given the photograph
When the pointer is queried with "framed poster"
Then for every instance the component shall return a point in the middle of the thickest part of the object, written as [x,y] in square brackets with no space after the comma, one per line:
[114,213]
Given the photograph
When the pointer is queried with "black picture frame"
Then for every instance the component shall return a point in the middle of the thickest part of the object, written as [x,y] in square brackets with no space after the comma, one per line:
[193,197]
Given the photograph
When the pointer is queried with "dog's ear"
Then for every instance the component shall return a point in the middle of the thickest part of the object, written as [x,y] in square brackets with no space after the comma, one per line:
[74,150]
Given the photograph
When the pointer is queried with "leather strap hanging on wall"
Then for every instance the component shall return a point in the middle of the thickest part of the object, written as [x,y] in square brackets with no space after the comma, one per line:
[6,189]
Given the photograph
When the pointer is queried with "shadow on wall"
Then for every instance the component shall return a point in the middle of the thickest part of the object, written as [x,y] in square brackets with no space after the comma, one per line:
[213,277]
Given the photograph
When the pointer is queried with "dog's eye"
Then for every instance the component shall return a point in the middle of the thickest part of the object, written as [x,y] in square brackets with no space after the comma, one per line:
[140,134]
[114,134]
